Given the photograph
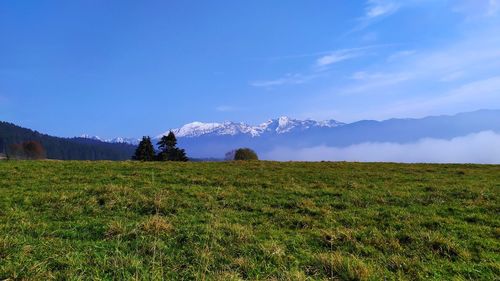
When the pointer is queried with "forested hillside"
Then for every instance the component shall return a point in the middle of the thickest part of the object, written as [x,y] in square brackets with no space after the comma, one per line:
[64,148]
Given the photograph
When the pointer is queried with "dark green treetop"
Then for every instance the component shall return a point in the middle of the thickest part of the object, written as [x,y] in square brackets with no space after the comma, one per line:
[169,150]
[145,150]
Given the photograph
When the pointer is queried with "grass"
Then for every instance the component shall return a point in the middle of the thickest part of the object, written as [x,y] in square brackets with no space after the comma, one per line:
[248,220]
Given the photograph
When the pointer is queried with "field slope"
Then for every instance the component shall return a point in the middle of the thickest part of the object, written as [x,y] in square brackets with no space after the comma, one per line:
[252,221]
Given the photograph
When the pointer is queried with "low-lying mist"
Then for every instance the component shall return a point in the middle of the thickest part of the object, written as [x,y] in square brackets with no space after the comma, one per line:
[481,148]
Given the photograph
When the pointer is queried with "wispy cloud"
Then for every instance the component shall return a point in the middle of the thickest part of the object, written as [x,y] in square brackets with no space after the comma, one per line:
[336,57]
[379,8]
[476,90]
[320,64]
[372,82]
[473,9]
[326,52]
[346,54]
[468,96]
[460,76]
[290,79]
[374,11]
[400,54]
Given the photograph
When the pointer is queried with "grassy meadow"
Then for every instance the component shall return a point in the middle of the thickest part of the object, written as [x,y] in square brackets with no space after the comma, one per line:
[248,221]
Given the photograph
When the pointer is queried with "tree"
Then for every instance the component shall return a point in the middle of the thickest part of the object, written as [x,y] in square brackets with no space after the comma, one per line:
[27,150]
[169,150]
[33,150]
[145,150]
[245,154]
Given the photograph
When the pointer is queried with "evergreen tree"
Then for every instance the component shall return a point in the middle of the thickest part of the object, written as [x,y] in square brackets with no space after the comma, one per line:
[178,154]
[145,150]
[169,150]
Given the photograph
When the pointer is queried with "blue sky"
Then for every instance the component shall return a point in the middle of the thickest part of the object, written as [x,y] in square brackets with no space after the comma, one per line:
[126,68]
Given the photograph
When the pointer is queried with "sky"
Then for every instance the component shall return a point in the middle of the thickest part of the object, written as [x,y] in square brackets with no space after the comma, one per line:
[133,68]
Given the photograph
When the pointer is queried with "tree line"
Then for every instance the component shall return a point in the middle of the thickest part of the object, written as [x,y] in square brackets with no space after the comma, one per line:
[62,148]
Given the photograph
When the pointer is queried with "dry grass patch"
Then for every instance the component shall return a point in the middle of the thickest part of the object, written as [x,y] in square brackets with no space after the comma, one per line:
[156,225]
[339,267]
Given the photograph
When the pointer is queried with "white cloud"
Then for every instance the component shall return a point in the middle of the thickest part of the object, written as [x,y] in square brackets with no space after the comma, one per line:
[370,82]
[321,64]
[401,54]
[342,55]
[379,76]
[375,10]
[469,96]
[336,57]
[475,148]
[474,90]
[378,8]
[290,78]
[473,9]
[414,87]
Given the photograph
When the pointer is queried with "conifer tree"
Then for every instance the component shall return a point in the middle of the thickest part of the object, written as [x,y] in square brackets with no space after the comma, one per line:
[145,150]
[169,150]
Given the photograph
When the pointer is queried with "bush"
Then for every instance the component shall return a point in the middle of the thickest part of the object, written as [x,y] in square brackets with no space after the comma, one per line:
[245,154]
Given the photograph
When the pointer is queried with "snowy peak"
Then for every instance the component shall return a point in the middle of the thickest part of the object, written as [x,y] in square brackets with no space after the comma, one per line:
[132,141]
[285,124]
[196,129]
[85,136]
[124,140]
[280,125]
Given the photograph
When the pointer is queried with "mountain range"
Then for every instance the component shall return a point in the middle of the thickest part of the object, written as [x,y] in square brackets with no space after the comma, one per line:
[213,140]
[208,140]
[282,125]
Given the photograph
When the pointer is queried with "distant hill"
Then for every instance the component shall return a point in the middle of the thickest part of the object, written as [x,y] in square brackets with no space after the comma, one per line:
[64,148]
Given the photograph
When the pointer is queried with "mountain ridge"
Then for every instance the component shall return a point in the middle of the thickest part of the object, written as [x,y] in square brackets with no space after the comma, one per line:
[209,140]
[279,125]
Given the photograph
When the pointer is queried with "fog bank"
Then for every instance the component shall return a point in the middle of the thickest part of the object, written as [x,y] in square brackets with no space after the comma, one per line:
[481,148]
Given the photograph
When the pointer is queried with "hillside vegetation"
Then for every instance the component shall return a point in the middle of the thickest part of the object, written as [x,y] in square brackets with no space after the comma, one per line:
[248,220]
[63,148]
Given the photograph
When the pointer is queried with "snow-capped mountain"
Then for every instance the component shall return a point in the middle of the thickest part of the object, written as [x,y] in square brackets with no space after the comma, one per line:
[124,140]
[280,125]
[215,139]
[208,140]
[132,141]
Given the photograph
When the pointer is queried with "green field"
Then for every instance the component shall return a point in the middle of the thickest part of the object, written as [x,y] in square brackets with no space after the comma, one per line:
[248,220]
